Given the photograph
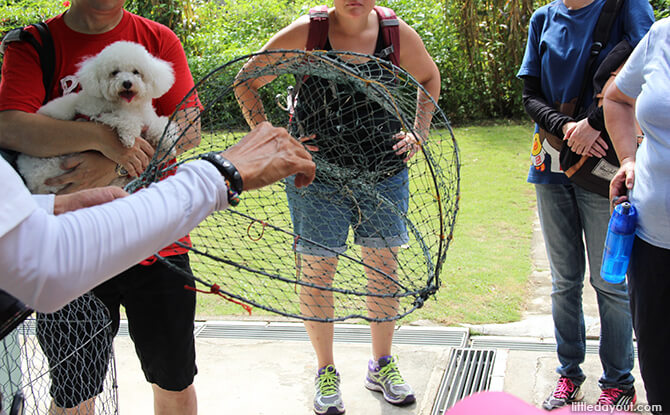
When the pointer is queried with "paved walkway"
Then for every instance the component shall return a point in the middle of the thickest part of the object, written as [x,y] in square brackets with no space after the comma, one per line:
[247,375]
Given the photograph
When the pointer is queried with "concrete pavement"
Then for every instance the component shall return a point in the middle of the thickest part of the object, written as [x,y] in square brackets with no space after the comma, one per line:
[261,367]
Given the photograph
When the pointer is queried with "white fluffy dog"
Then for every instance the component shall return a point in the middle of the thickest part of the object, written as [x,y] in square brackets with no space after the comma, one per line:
[117,86]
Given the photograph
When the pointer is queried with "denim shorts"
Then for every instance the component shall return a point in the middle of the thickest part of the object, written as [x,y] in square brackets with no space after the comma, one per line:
[322,214]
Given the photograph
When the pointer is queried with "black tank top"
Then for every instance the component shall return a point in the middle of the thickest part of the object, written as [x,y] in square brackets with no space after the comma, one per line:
[352,130]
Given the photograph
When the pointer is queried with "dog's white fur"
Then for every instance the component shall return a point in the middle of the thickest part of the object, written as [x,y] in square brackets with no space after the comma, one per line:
[117,86]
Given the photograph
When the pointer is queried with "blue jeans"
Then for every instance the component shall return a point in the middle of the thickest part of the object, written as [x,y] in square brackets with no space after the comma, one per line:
[566,213]
[322,215]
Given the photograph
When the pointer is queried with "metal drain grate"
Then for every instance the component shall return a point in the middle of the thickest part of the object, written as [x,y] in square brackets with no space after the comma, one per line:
[529,345]
[469,371]
[344,333]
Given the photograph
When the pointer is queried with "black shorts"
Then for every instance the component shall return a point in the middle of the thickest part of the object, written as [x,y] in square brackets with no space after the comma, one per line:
[160,314]
[77,342]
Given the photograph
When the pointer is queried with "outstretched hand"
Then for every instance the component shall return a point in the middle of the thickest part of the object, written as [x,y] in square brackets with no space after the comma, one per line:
[86,198]
[268,154]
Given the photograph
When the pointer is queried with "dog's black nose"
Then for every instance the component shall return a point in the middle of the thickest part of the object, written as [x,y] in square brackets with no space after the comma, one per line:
[127,84]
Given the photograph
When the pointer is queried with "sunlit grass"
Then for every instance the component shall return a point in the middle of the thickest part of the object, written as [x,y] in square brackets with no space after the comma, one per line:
[485,275]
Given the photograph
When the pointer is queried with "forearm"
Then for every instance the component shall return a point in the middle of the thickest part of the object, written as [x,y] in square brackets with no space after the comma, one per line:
[48,260]
[42,136]
[620,123]
[596,118]
[250,103]
[540,111]
[426,105]
[189,125]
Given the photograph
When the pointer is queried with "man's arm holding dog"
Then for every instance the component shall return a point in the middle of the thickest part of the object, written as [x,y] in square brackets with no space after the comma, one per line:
[42,136]
[85,168]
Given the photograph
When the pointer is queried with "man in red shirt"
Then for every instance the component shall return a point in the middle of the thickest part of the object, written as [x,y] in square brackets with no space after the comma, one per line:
[159,309]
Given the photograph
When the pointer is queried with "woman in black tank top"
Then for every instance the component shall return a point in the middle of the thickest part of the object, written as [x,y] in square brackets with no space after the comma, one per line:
[362,153]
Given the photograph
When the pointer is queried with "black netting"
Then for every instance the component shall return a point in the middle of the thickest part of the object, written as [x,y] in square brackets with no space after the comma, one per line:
[62,360]
[368,238]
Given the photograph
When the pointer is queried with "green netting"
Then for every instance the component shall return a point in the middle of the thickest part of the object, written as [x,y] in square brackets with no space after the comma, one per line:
[289,261]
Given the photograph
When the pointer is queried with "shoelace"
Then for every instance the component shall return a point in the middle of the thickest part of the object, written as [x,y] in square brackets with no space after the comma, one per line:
[564,388]
[328,381]
[391,372]
[609,396]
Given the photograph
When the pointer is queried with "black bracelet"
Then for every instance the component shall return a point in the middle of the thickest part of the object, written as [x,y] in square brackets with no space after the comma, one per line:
[229,173]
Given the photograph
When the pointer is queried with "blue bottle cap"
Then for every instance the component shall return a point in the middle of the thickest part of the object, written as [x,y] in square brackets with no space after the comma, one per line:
[624,218]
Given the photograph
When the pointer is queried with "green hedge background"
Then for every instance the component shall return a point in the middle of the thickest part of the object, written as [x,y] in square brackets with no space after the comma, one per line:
[477,44]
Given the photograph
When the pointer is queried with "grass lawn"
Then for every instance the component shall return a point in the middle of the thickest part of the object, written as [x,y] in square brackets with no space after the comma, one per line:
[484,278]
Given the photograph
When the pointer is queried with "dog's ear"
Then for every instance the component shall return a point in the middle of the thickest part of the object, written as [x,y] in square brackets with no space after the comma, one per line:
[88,76]
[161,77]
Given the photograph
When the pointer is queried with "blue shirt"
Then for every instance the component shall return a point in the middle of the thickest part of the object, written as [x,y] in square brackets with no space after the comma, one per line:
[558,47]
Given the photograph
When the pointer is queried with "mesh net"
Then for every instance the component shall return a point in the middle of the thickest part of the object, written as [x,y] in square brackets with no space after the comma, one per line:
[61,360]
[368,238]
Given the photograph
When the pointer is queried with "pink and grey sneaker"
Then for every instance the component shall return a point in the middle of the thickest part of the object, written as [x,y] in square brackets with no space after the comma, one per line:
[619,399]
[564,393]
[384,376]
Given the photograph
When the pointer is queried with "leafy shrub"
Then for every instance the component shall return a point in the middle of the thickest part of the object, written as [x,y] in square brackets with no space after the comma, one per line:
[477,44]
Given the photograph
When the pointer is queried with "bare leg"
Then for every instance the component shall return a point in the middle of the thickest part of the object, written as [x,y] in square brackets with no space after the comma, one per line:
[84,408]
[318,303]
[183,402]
[383,259]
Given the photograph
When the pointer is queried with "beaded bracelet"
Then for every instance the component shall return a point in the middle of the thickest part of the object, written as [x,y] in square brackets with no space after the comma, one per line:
[233,196]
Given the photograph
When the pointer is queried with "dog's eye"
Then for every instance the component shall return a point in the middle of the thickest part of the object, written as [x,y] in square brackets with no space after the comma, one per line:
[136,72]
[114,73]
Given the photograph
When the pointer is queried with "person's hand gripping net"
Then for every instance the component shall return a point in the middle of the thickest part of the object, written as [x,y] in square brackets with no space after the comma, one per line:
[408,145]
[268,154]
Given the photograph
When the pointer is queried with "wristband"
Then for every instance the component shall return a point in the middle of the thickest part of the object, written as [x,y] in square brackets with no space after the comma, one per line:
[229,173]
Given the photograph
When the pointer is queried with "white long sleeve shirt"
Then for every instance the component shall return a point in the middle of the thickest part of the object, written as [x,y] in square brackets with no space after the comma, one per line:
[46,261]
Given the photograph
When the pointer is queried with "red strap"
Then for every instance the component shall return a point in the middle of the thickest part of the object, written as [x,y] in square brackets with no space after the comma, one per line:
[391,32]
[318,28]
[216,290]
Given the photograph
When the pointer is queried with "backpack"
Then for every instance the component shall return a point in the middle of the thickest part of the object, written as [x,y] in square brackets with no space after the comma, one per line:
[47,55]
[318,31]
[45,50]
[594,173]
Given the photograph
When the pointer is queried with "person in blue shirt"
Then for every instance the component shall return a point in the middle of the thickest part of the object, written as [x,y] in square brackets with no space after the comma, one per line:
[559,43]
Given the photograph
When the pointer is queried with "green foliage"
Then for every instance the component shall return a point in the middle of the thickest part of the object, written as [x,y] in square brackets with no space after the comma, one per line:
[661,8]
[23,12]
[172,13]
[477,44]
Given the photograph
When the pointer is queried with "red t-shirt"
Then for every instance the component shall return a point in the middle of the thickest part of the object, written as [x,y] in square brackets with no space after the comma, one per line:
[21,86]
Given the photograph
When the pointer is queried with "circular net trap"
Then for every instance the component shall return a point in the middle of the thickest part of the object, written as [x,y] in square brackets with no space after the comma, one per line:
[369,237]
[61,360]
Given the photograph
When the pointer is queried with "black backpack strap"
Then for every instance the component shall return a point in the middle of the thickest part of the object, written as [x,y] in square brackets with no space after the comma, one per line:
[47,59]
[47,55]
[601,34]
[45,51]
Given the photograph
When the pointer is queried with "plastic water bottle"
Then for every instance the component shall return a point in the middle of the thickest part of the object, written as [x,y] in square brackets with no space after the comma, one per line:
[619,243]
